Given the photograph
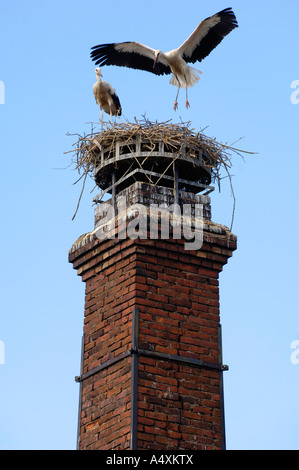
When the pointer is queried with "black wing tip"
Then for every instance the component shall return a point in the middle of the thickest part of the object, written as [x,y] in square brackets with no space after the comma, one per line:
[102,45]
[107,46]
[226,11]
[99,53]
[99,48]
[228,14]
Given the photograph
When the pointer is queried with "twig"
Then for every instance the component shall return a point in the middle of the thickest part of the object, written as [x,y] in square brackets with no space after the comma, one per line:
[175,137]
[80,197]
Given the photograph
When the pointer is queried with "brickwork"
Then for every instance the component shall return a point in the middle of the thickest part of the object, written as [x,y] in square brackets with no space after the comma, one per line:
[177,293]
[105,407]
[179,407]
[179,404]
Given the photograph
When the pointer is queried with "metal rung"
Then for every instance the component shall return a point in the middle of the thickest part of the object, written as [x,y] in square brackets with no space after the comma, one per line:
[201,186]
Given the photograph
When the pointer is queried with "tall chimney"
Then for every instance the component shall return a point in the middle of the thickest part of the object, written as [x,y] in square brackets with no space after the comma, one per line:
[152,372]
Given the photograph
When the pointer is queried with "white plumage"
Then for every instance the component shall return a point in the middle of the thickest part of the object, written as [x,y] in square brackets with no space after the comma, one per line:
[208,34]
[106,97]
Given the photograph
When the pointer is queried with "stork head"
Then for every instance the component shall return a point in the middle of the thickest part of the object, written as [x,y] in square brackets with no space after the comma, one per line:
[98,73]
[157,55]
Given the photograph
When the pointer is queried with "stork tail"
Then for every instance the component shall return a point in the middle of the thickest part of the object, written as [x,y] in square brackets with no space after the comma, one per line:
[190,78]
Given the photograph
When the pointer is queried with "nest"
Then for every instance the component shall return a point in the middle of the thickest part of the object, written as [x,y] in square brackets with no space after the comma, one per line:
[89,150]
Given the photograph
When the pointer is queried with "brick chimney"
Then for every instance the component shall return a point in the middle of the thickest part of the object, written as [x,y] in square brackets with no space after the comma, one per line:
[152,372]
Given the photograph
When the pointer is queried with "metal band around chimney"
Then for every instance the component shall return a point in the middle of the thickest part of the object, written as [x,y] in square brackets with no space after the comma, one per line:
[80,394]
[135,352]
[222,417]
[106,364]
[134,378]
[185,360]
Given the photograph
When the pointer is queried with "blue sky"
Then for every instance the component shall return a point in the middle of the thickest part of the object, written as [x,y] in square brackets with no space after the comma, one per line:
[244,93]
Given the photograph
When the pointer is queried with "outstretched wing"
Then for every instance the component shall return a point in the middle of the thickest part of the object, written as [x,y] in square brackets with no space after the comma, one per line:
[129,54]
[208,34]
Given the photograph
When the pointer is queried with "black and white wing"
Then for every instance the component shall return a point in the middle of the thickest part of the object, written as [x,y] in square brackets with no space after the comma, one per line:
[116,102]
[129,54]
[208,34]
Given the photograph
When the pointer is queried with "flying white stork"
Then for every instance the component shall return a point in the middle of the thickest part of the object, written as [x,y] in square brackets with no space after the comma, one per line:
[106,97]
[208,34]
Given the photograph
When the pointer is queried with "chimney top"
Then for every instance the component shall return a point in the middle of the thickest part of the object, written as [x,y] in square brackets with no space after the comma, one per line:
[160,154]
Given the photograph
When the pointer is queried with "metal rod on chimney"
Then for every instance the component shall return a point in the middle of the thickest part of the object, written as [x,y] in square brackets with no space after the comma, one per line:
[134,377]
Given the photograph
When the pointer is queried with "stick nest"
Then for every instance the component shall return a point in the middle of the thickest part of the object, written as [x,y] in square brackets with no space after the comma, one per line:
[175,137]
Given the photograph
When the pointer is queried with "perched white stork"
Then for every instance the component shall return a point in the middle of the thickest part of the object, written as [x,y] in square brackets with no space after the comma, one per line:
[208,34]
[106,97]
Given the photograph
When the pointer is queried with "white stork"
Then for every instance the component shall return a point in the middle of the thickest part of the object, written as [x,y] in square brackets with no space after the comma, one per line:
[106,97]
[208,34]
